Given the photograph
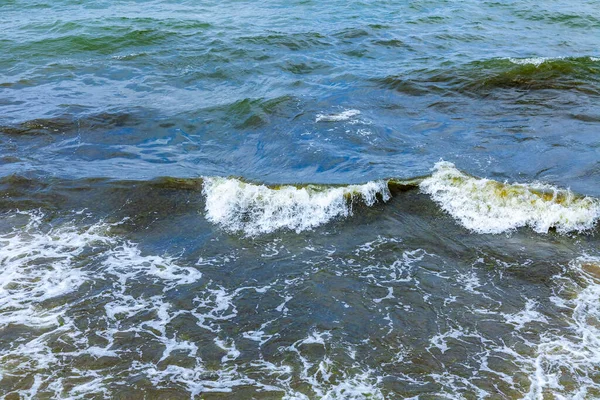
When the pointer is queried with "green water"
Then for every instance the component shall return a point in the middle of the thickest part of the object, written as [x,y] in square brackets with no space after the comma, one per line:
[245,200]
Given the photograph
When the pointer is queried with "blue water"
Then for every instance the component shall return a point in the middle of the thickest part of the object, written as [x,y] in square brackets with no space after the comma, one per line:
[123,273]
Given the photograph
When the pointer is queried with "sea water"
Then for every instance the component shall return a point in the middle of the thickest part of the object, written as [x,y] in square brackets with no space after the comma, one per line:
[299,200]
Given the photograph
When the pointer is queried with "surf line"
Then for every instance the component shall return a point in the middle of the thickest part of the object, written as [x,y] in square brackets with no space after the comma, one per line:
[480,205]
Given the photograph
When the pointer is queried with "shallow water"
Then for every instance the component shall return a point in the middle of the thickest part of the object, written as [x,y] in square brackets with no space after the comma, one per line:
[299,200]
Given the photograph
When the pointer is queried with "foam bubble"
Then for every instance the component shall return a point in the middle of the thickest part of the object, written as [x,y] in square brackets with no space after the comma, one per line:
[487,206]
[197,379]
[526,316]
[237,206]
[41,266]
[327,381]
[537,61]
[573,356]
[36,267]
[343,116]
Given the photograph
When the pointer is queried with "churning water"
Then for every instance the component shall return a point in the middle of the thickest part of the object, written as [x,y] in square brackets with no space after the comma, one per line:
[299,200]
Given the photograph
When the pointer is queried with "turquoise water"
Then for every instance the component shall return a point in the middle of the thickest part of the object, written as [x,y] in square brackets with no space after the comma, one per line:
[299,199]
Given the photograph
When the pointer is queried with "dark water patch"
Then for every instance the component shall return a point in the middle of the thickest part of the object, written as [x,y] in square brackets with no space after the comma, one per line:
[583,20]
[9,160]
[106,120]
[138,203]
[352,33]
[69,124]
[484,77]
[253,113]
[168,24]
[576,20]
[586,117]
[540,273]
[362,53]
[411,87]
[165,201]
[52,126]
[27,5]
[19,192]
[306,67]
[389,43]
[399,186]
[379,26]
[76,45]
[21,83]
[177,183]
[460,37]
[581,74]
[430,19]
[294,42]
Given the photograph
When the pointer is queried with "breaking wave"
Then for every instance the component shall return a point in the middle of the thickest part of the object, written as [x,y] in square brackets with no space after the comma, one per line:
[488,206]
[253,209]
[480,205]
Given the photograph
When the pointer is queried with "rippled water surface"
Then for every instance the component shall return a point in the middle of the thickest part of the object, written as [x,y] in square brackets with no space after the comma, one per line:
[299,200]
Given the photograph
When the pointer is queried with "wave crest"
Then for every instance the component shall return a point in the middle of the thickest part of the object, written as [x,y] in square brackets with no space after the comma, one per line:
[487,206]
[253,209]
[342,116]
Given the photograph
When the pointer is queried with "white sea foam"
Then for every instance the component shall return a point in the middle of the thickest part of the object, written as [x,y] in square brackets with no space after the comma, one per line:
[526,316]
[197,379]
[133,314]
[440,341]
[125,260]
[342,116]
[40,265]
[36,267]
[565,365]
[253,209]
[537,61]
[326,384]
[487,206]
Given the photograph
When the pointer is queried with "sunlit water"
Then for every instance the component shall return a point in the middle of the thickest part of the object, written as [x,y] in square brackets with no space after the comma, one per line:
[299,200]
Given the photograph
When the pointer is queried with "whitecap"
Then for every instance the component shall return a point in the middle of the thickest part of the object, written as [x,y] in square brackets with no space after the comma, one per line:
[488,206]
[237,206]
[342,116]
[537,61]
